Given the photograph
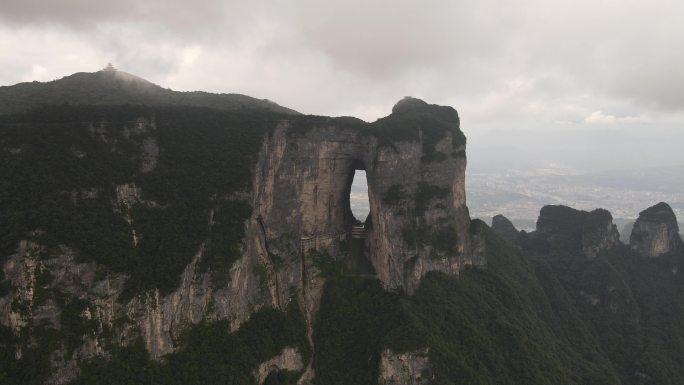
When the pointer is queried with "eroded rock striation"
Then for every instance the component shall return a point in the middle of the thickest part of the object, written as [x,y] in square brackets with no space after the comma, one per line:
[656,232]
[415,164]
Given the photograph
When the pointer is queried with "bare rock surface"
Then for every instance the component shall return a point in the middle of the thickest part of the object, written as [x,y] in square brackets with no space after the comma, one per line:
[409,368]
[656,232]
[288,359]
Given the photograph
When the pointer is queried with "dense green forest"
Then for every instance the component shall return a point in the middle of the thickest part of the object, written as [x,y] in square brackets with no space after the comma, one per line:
[521,320]
[59,174]
[208,354]
[552,319]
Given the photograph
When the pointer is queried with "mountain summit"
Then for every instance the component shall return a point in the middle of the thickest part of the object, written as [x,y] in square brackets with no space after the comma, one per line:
[114,87]
[656,231]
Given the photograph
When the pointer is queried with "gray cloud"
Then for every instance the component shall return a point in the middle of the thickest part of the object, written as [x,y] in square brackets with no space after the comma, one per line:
[529,63]
[88,14]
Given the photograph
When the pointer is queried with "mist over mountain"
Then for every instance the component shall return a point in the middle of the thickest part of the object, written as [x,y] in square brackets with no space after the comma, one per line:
[111,87]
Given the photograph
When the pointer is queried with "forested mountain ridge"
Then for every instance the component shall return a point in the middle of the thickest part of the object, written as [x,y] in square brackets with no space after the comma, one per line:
[115,87]
[194,245]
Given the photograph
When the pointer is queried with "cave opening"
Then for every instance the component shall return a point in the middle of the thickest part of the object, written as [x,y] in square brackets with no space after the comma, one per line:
[358,220]
[359,203]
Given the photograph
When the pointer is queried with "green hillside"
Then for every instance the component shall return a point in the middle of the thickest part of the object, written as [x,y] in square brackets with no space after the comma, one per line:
[58,175]
[113,87]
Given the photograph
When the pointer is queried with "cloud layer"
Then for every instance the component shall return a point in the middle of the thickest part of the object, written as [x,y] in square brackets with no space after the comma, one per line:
[524,64]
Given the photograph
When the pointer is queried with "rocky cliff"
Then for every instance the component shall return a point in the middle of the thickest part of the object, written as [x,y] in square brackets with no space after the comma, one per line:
[186,246]
[418,222]
[299,226]
[564,229]
[415,164]
[655,232]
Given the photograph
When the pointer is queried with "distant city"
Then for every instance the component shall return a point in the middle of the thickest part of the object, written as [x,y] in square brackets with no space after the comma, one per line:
[519,195]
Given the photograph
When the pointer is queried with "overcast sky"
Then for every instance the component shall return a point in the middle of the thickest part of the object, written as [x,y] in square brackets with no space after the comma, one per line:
[579,66]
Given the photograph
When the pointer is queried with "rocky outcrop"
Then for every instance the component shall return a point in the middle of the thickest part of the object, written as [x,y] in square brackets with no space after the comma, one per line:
[31,304]
[504,228]
[415,165]
[656,232]
[598,233]
[288,359]
[564,229]
[410,368]
[561,227]
[156,319]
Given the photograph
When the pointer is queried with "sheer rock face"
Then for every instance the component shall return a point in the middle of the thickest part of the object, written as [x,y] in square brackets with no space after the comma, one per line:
[415,164]
[598,233]
[288,359]
[504,228]
[656,232]
[562,228]
[410,368]
[415,167]
[156,319]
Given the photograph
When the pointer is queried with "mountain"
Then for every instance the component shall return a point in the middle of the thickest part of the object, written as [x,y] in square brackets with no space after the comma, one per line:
[504,228]
[142,221]
[114,87]
[145,244]
[656,231]
[630,299]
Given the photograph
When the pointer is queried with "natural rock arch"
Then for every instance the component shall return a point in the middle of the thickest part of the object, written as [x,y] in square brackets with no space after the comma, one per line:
[415,166]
